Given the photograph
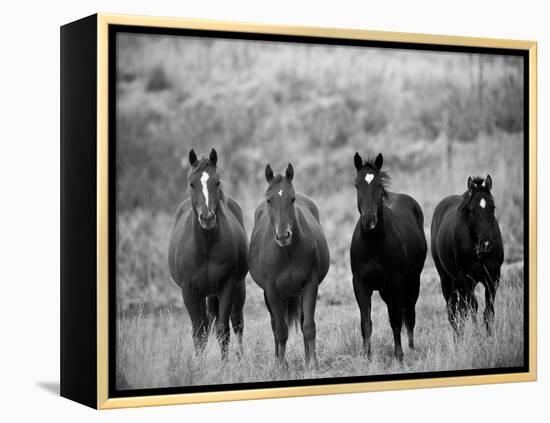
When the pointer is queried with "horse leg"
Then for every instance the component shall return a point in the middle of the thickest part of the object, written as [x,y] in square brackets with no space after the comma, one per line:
[237,319]
[489,312]
[279,325]
[409,313]
[222,323]
[363,297]
[308,323]
[410,319]
[196,308]
[396,322]
[272,320]
[393,297]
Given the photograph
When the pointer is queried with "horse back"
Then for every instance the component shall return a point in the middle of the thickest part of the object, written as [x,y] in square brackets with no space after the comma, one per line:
[409,218]
[445,211]
[307,203]
[406,209]
[310,214]
[236,210]
[443,228]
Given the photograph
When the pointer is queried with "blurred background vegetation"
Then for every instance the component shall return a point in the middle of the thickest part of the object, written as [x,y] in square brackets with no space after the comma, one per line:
[436,117]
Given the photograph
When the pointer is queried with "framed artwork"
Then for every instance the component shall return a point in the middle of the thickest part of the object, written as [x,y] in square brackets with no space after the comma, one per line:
[257,211]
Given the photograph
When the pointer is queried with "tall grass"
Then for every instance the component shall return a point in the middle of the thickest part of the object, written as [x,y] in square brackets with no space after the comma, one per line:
[155,349]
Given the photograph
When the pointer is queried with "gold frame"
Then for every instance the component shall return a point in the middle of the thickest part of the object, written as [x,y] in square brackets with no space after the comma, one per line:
[103,401]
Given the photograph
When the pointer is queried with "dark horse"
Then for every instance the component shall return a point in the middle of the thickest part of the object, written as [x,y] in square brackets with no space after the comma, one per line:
[467,249]
[207,256]
[388,251]
[289,258]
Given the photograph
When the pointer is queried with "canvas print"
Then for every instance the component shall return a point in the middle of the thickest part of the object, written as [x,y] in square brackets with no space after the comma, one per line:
[296,211]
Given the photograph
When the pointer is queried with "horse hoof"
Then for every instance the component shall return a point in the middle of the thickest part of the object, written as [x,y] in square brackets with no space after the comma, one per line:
[282,364]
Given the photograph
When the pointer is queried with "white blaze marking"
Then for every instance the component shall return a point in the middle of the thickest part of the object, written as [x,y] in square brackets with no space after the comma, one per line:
[280,193]
[369,177]
[204,179]
[482,203]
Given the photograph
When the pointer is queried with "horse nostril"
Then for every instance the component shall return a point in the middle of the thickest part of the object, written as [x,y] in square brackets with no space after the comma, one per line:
[209,218]
[284,237]
[369,221]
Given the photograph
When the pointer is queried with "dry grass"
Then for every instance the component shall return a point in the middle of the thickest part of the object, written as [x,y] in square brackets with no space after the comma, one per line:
[155,349]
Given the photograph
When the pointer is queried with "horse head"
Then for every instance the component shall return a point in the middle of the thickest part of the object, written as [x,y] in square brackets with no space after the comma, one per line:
[280,198]
[204,186]
[479,210]
[370,184]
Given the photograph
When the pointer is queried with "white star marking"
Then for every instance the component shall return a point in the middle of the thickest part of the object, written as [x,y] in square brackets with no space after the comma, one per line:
[280,193]
[369,177]
[482,203]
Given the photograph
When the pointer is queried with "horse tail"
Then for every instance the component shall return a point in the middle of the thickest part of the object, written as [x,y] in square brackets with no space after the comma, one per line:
[293,308]
[212,308]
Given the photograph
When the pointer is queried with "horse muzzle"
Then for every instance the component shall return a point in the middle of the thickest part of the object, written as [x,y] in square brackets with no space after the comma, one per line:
[209,221]
[283,239]
[369,221]
[482,248]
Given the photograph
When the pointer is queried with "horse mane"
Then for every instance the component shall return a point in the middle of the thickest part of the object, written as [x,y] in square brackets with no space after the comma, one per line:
[467,197]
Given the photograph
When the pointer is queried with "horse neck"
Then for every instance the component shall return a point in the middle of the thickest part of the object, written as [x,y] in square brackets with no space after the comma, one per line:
[463,228]
[298,230]
[376,235]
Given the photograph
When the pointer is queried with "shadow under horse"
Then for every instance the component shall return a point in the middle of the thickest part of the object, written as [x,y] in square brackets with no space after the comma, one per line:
[289,258]
[207,256]
[388,251]
[467,249]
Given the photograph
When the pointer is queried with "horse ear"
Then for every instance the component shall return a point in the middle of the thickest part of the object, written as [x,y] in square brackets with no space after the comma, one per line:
[268,173]
[358,161]
[213,157]
[192,157]
[488,182]
[289,172]
[379,161]
[471,184]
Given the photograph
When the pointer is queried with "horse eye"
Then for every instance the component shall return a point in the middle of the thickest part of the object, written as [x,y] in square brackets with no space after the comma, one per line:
[268,201]
[218,183]
[294,199]
[192,186]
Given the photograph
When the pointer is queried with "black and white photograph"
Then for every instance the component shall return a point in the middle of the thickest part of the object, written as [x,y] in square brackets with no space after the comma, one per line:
[293,211]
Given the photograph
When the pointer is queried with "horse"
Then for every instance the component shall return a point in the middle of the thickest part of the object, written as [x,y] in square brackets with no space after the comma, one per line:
[387,252]
[467,249]
[289,258]
[208,255]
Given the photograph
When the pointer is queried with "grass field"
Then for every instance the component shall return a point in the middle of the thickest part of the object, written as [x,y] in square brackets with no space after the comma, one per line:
[155,348]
